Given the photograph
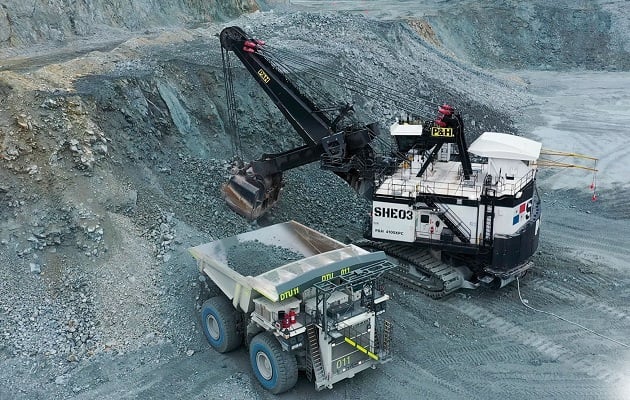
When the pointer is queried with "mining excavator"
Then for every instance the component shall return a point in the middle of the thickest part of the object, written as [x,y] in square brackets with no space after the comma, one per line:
[455,215]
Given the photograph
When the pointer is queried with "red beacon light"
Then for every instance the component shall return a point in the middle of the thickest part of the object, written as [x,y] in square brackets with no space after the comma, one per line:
[292,316]
[285,320]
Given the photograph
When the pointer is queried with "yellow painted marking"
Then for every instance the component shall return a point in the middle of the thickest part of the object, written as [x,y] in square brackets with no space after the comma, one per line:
[267,296]
[263,75]
[437,131]
[328,276]
[289,293]
[360,348]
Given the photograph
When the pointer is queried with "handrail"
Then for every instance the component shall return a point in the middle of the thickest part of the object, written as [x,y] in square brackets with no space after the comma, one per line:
[451,216]
[513,188]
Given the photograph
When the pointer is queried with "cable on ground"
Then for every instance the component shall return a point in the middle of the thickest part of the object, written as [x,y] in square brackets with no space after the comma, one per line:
[518,285]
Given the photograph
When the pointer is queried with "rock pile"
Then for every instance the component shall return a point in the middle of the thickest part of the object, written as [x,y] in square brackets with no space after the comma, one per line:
[254,257]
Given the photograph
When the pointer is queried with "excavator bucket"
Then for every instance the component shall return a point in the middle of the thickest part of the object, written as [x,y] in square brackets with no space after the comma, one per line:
[252,195]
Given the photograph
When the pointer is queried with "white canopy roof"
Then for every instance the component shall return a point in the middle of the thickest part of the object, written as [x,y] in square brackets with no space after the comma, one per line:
[506,146]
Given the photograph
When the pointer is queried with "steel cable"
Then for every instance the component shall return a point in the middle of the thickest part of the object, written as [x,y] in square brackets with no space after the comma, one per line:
[353,83]
[518,285]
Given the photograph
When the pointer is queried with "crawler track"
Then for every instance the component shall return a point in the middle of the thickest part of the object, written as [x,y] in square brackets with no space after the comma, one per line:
[425,274]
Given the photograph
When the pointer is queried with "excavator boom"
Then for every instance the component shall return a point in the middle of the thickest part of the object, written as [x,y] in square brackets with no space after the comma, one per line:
[255,187]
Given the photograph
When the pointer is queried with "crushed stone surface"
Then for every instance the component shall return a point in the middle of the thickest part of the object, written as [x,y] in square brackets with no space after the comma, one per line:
[255,257]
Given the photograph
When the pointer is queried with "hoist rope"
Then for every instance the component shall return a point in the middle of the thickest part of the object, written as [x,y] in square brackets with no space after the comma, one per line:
[350,81]
[235,137]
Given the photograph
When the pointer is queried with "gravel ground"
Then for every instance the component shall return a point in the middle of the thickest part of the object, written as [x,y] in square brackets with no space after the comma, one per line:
[111,162]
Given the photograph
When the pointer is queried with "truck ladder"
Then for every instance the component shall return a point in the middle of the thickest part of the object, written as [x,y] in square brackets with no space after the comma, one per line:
[313,356]
[488,231]
[388,327]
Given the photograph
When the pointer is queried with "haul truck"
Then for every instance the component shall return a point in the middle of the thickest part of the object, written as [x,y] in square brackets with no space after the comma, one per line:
[322,313]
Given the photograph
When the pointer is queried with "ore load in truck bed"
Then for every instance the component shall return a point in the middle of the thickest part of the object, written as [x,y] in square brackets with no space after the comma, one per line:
[245,260]
[255,257]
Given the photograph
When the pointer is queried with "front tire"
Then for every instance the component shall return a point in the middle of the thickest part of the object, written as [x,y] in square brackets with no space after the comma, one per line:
[220,324]
[275,369]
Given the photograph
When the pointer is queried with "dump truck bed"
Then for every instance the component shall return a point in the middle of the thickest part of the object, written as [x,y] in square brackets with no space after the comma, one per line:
[319,258]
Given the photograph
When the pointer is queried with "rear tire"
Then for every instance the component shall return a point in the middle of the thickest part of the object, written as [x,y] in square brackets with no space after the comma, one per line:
[275,369]
[220,320]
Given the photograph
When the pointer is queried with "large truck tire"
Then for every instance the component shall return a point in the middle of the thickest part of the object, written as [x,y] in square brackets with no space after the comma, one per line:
[219,320]
[275,369]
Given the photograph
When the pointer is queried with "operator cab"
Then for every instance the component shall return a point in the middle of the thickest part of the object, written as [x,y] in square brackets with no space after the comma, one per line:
[407,132]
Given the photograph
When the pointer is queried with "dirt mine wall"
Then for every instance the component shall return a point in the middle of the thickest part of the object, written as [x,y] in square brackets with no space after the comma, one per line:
[23,23]
[544,35]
